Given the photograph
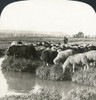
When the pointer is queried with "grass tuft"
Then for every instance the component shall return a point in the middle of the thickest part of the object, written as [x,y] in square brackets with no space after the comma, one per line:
[81,94]
[11,63]
[85,76]
[53,72]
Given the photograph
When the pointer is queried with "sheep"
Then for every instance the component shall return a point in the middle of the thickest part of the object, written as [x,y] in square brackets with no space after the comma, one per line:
[54,53]
[46,56]
[74,60]
[16,43]
[62,56]
[26,51]
[91,56]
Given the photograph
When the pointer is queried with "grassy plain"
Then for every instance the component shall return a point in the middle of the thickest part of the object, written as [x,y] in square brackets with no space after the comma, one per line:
[6,41]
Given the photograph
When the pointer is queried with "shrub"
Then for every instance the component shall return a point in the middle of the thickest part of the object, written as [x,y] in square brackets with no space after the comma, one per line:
[53,72]
[85,76]
[81,94]
[12,63]
[43,72]
[56,72]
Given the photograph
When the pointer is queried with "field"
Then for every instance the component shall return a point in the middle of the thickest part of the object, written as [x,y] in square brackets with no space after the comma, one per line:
[6,41]
[55,72]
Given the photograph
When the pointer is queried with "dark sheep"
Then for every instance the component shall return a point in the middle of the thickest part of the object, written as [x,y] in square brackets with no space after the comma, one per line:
[31,51]
[46,56]
[26,51]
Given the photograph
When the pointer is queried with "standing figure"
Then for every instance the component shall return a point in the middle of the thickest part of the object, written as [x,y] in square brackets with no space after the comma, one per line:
[65,40]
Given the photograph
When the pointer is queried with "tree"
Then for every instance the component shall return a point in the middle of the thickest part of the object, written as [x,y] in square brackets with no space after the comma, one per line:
[79,35]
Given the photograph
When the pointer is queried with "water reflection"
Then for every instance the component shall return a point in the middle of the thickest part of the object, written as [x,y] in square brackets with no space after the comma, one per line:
[24,82]
[3,82]
[19,82]
[62,86]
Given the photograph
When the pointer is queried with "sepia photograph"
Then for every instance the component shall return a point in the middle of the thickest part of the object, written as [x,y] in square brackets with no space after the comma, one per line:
[47,49]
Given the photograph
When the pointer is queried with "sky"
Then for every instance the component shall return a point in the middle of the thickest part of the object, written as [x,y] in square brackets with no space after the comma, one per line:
[65,16]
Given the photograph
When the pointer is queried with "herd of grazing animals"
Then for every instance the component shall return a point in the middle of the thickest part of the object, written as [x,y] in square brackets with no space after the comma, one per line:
[76,59]
[18,49]
[53,53]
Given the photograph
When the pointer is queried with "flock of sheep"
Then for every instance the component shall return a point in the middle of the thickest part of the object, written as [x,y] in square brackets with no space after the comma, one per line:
[69,55]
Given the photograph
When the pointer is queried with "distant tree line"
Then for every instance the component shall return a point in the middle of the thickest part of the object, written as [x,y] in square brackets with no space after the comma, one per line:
[31,35]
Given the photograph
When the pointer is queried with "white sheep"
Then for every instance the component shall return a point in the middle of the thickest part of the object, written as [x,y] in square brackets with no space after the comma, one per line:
[74,60]
[91,56]
[62,56]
